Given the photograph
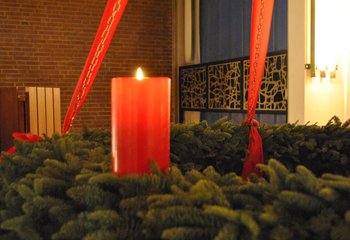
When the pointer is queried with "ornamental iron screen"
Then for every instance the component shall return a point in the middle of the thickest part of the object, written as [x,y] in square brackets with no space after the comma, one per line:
[223,86]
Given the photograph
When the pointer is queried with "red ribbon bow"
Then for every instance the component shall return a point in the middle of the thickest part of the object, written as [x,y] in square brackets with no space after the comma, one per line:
[29,137]
[255,152]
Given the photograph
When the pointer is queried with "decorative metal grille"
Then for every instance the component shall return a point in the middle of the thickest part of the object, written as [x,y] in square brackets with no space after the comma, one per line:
[224,86]
[273,90]
[193,87]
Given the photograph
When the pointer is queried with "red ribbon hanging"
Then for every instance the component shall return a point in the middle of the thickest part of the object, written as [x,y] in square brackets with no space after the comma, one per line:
[259,40]
[112,14]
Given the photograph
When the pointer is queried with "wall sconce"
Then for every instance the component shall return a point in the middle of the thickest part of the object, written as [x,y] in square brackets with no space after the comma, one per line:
[322,54]
[327,71]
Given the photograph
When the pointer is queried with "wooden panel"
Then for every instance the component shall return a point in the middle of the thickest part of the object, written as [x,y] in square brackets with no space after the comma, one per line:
[21,115]
[8,116]
[26,113]
[57,109]
[49,106]
[33,110]
[41,110]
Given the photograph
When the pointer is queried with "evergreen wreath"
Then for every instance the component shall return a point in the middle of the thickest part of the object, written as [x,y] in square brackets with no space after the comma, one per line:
[62,188]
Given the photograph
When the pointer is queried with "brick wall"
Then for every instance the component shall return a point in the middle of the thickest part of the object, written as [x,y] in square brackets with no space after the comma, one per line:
[45,43]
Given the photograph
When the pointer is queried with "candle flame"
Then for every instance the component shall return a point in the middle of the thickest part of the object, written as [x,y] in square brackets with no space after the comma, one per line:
[139,74]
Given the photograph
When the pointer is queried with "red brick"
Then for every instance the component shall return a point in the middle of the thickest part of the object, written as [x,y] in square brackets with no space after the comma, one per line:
[45,43]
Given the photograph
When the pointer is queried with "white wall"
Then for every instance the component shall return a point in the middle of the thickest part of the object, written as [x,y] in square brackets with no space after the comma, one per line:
[318,99]
[347,105]
[324,98]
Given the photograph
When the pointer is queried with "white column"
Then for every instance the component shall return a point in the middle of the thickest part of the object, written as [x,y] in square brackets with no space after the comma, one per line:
[188,37]
[297,53]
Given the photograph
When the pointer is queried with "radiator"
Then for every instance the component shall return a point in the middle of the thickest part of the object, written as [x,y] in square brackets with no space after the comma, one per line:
[44,110]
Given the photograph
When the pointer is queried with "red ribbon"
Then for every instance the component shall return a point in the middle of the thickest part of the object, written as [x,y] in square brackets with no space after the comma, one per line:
[255,152]
[112,14]
[259,40]
[32,138]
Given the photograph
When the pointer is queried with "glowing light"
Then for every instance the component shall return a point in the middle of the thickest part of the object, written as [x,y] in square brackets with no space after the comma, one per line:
[139,74]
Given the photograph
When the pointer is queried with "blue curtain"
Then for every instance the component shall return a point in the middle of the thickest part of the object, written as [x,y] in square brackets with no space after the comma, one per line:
[222,25]
[225,34]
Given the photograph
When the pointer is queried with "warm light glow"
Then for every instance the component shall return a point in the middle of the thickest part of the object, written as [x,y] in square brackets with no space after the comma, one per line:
[331,40]
[326,95]
[139,74]
[325,22]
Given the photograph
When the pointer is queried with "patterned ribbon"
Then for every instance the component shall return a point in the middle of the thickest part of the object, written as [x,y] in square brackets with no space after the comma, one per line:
[260,33]
[112,14]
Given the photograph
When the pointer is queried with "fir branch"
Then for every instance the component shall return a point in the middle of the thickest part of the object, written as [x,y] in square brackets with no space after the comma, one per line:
[300,201]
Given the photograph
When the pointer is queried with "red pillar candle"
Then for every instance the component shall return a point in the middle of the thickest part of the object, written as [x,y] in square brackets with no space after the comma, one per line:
[140,124]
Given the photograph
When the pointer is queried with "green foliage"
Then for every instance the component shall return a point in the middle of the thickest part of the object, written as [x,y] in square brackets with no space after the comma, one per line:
[36,183]
[62,188]
[224,144]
